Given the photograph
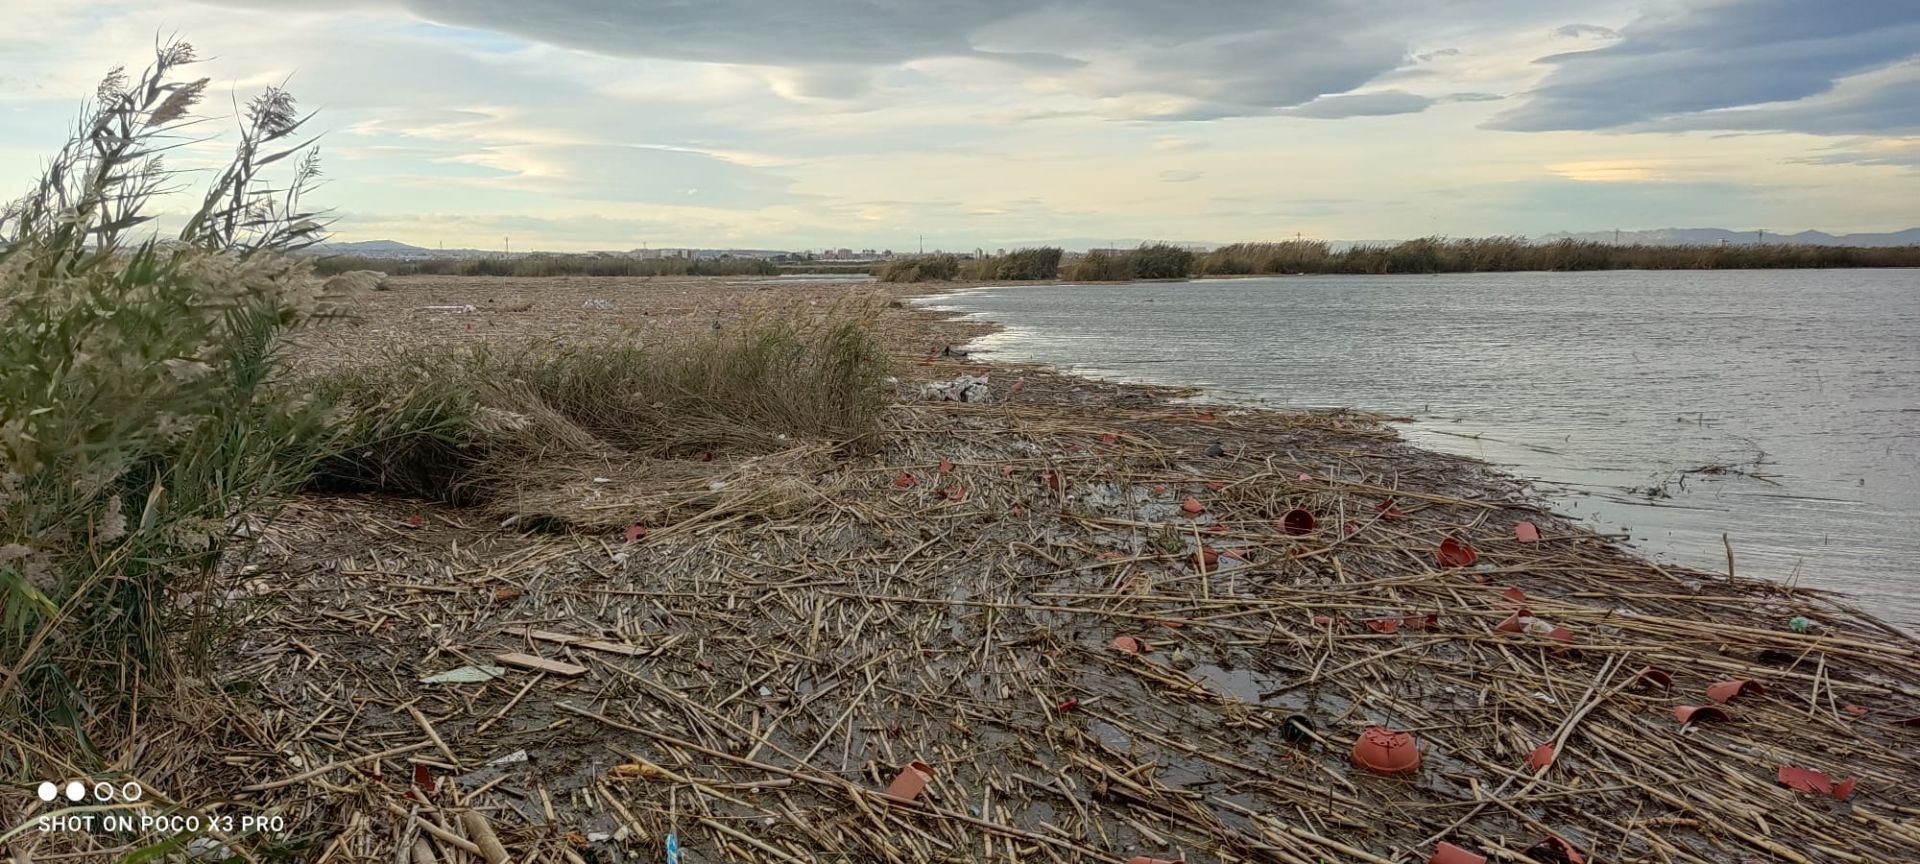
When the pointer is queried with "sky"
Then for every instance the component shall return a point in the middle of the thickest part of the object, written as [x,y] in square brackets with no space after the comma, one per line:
[798,124]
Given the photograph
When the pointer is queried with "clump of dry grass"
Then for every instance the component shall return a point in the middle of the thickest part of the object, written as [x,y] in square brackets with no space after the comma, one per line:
[494,426]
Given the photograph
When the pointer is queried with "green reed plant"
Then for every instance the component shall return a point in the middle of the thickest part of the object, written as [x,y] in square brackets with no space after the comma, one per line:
[140,423]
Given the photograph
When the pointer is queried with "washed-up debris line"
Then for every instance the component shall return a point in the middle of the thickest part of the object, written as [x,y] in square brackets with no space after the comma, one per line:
[1060,663]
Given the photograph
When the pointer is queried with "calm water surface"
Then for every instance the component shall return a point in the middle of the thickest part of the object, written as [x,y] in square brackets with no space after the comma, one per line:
[1604,386]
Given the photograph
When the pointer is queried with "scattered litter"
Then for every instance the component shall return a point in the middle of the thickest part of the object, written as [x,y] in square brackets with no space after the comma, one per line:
[516,756]
[1526,532]
[1386,751]
[1541,757]
[465,675]
[597,303]
[1726,691]
[1297,522]
[1691,714]
[965,388]
[1801,624]
[1453,553]
[1809,780]
[908,784]
[1131,645]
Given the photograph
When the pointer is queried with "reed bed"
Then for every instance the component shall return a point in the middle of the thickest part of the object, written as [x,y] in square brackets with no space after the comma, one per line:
[749,676]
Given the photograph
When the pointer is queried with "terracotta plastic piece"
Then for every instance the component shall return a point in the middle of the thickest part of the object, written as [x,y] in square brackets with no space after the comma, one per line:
[1853,709]
[1515,594]
[1192,505]
[1526,532]
[956,492]
[1207,558]
[1052,480]
[1108,438]
[1297,522]
[635,532]
[904,480]
[1541,757]
[1385,751]
[946,466]
[1453,553]
[1809,780]
[1068,707]
[1447,853]
[1658,676]
[415,521]
[1725,691]
[1554,850]
[1384,625]
[1515,622]
[1325,621]
[1387,510]
[1690,714]
[911,780]
[1206,415]
[1561,634]
[1304,477]
[1131,645]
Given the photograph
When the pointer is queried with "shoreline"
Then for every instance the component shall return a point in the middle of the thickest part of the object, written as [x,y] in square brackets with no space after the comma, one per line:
[1083,607]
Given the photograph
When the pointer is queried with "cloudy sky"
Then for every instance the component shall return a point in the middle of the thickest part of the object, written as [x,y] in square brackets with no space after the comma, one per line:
[597,124]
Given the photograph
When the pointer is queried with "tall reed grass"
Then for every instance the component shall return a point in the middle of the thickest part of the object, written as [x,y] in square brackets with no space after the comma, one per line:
[139,415]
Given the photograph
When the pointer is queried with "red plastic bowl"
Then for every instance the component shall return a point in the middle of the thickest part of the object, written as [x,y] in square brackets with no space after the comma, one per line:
[1385,751]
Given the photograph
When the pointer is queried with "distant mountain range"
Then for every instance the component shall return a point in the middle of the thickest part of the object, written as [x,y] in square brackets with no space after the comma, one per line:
[1717,236]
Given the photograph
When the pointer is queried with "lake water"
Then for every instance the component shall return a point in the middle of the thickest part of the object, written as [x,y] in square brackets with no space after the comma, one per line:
[1603,386]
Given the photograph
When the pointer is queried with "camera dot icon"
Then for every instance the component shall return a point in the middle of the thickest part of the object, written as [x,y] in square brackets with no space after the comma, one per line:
[48,791]
[76,791]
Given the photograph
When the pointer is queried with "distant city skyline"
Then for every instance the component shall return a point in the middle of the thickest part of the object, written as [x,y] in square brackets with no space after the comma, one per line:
[586,124]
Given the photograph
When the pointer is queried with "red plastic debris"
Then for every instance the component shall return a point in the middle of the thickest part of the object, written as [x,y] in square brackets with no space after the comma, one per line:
[955,492]
[1192,505]
[1018,385]
[422,778]
[1513,624]
[1108,437]
[1690,714]
[1515,594]
[1808,780]
[1561,634]
[1052,480]
[1160,489]
[908,784]
[1206,558]
[1006,470]
[1853,709]
[1215,485]
[1325,620]
[1447,853]
[1386,751]
[1526,532]
[1384,625]
[946,466]
[415,520]
[1725,691]
[706,455]
[1068,707]
[1658,676]
[904,480]
[634,533]
[1554,850]
[1541,757]
[1131,645]
[1304,477]
[1453,553]
[1205,415]
[1296,522]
